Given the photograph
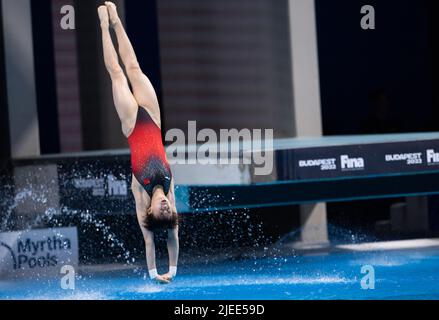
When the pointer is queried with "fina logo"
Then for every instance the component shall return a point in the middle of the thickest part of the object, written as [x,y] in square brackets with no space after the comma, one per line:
[101,186]
[432,157]
[349,164]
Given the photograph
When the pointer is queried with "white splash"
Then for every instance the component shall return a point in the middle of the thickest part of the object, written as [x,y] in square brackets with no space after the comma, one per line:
[261,280]
[147,289]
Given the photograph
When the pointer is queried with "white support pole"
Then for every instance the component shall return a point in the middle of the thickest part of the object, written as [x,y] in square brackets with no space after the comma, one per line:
[306,105]
[20,78]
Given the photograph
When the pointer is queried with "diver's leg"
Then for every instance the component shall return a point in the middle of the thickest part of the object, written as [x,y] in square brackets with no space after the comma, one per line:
[110,55]
[126,104]
[142,88]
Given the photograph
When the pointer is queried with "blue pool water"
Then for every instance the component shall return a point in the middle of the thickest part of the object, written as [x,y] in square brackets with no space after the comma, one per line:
[409,274]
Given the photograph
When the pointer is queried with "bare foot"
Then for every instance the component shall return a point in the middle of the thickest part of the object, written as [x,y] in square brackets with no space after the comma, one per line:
[103,16]
[112,11]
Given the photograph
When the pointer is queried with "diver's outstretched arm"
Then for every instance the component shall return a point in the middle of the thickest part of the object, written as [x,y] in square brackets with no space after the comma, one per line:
[173,242]
[173,249]
[150,249]
[150,257]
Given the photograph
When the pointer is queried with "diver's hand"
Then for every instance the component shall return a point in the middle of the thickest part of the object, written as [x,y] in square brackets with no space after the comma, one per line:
[161,279]
[168,276]
[171,273]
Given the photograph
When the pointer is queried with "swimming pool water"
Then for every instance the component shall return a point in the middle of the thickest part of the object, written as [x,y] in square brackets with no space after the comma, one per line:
[404,274]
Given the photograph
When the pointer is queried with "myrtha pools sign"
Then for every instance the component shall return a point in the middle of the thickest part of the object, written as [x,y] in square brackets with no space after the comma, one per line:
[40,252]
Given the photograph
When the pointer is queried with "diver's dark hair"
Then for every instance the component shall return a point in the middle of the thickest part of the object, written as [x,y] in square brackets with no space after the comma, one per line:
[154,222]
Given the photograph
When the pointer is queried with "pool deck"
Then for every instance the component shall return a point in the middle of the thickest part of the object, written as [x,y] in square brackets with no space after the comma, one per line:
[399,269]
[284,250]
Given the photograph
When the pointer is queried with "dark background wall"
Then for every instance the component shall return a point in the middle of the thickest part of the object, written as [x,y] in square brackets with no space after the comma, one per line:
[94,83]
[363,69]
[4,122]
[45,76]
[209,60]
[376,81]
[226,64]
[432,8]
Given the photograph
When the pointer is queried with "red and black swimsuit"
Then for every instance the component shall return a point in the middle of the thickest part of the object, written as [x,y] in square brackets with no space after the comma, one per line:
[148,157]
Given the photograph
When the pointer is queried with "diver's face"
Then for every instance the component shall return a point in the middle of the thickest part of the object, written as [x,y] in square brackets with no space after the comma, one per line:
[160,205]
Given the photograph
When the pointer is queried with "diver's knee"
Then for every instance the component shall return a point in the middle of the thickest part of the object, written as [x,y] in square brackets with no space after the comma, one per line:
[116,73]
[133,67]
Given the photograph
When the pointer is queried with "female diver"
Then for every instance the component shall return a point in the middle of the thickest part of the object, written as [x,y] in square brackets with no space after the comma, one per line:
[139,112]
